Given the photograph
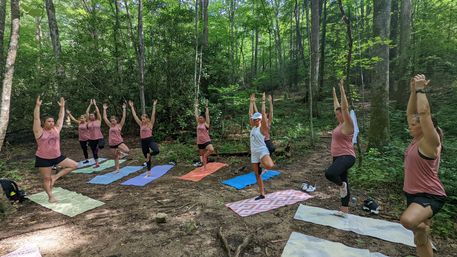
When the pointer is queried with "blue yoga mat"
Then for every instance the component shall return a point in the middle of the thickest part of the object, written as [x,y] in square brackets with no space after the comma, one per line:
[109,178]
[243,181]
[141,180]
[90,163]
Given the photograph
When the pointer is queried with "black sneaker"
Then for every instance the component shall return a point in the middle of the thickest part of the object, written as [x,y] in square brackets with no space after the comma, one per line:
[371,206]
[260,197]
[86,161]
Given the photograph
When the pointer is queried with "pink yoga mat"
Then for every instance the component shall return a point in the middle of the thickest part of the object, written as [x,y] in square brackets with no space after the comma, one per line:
[272,201]
[198,174]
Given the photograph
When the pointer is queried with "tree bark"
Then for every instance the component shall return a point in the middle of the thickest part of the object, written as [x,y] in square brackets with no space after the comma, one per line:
[315,56]
[378,133]
[205,22]
[404,54]
[117,27]
[278,43]
[54,32]
[394,50]
[324,32]
[2,31]
[141,57]
[350,41]
[9,70]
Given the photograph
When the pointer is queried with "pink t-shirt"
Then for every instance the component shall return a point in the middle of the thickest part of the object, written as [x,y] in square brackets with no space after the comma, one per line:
[83,132]
[49,144]
[145,131]
[421,175]
[341,143]
[202,134]
[95,130]
[115,137]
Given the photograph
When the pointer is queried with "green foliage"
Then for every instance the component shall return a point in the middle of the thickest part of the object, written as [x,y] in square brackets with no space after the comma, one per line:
[181,152]
[7,171]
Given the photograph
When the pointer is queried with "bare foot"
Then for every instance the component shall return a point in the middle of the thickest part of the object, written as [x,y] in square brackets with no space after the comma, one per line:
[116,171]
[148,174]
[344,209]
[52,199]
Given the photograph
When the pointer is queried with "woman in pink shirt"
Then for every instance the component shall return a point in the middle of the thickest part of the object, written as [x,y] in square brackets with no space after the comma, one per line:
[205,147]
[83,133]
[48,153]
[342,150]
[94,124]
[148,146]
[115,140]
[425,194]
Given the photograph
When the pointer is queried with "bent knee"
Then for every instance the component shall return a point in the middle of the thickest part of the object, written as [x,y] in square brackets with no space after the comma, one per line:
[408,222]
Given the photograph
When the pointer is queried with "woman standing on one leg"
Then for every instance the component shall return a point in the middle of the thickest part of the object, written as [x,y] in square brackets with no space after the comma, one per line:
[259,150]
[342,150]
[269,120]
[204,144]
[48,153]
[425,194]
[148,146]
[95,132]
[115,141]
[83,133]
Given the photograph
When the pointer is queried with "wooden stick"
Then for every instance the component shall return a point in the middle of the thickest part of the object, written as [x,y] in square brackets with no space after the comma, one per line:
[224,242]
[246,241]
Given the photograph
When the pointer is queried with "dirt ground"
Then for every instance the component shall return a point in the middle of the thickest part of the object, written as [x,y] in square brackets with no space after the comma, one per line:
[125,225]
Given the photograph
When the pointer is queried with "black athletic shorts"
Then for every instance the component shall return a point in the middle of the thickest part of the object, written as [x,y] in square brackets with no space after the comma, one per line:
[203,146]
[115,146]
[436,202]
[45,163]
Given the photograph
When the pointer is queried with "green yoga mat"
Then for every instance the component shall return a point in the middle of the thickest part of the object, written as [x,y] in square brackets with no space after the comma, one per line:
[70,203]
[103,166]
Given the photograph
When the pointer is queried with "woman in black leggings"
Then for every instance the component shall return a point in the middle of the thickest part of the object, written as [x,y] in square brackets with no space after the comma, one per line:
[96,141]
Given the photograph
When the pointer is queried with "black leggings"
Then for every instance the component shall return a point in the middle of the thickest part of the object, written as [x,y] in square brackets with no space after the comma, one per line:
[94,147]
[338,173]
[83,145]
[148,143]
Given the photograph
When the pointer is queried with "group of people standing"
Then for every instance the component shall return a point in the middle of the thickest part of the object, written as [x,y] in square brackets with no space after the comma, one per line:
[424,191]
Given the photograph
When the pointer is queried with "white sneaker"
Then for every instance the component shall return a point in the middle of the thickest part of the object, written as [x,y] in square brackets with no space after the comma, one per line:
[344,190]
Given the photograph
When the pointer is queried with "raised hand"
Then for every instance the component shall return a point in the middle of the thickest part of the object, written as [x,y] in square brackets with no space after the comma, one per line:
[252,98]
[270,98]
[341,84]
[68,112]
[124,106]
[154,102]
[130,103]
[105,106]
[61,103]
[420,82]
[38,101]
[93,102]
[206,103]
[263,97]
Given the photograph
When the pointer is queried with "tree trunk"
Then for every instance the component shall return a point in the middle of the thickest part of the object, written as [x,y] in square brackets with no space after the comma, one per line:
[378,134]
[315,28]
[205,22]
[117,27]
[2,31]
[196,63]
[9,70]
[394,50]
[141,57]
[278,43]
[347,21]
[232,40]
[324,32]
[256,51]
[54,32]
[130,28]
[404,54]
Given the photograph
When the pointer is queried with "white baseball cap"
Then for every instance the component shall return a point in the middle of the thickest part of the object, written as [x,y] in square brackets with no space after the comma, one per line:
[256,116]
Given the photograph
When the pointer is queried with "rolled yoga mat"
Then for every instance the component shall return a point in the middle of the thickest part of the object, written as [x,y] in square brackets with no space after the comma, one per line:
[142,180]
[245,180]
[113,176]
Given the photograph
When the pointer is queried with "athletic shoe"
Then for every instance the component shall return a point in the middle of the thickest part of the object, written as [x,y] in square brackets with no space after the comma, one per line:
[306,187]
[371,206]
[197,164]
[341,214]
[344,190]
[145,164]
[54,167]
[86,161]
[260,197]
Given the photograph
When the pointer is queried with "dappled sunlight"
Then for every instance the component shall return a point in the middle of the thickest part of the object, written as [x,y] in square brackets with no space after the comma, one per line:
[55,240]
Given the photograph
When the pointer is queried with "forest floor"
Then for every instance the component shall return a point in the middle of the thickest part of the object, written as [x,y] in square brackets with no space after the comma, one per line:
[125,225]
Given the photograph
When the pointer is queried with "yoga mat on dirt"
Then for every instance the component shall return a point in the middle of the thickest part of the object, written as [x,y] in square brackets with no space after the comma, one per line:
[382,229]
[142,180]
[198,173]
[272,201]
[25,251]
[245,180]
[90,163]
[109,178]
[103,166]
[300,245]
[70,203]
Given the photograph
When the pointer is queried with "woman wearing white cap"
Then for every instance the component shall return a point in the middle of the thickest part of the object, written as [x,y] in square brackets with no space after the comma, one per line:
[259,150]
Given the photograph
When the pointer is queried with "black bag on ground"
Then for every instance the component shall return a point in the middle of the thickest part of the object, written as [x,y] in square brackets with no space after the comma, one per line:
[12,191]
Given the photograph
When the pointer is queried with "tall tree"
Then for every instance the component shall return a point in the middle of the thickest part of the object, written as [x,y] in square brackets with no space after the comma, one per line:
[2,31]
[378,133]
[54,32]
[404,53]
[9,70]
[350,41]
[205,22]
[141,57]
[323,41]
[315,56]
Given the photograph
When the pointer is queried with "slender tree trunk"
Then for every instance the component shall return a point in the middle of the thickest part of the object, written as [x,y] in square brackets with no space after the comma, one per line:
[2,32]
[324,33]
[347,21]
[394,50]
[205,22]
[232,39]
[141,57]
[196,63]
[315,28]
[117,27]
[404,54]
[278,43]
[9,70]
[256,51]
[378,134]
[130,28]
[54,32]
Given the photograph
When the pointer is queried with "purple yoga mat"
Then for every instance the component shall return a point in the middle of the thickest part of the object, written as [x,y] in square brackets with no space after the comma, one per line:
[141,180]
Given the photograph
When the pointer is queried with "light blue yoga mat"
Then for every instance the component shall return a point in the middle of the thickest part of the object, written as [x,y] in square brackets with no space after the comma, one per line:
[142,180]
[243,181]
[109,178]
[90,163]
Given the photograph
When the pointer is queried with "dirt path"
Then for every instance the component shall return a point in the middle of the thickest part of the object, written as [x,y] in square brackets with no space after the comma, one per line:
[125,225]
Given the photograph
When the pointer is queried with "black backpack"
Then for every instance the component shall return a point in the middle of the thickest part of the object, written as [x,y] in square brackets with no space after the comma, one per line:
[12,191]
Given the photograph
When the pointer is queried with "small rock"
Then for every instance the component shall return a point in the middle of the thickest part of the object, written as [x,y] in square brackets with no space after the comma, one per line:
[161,217]
[257,249]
